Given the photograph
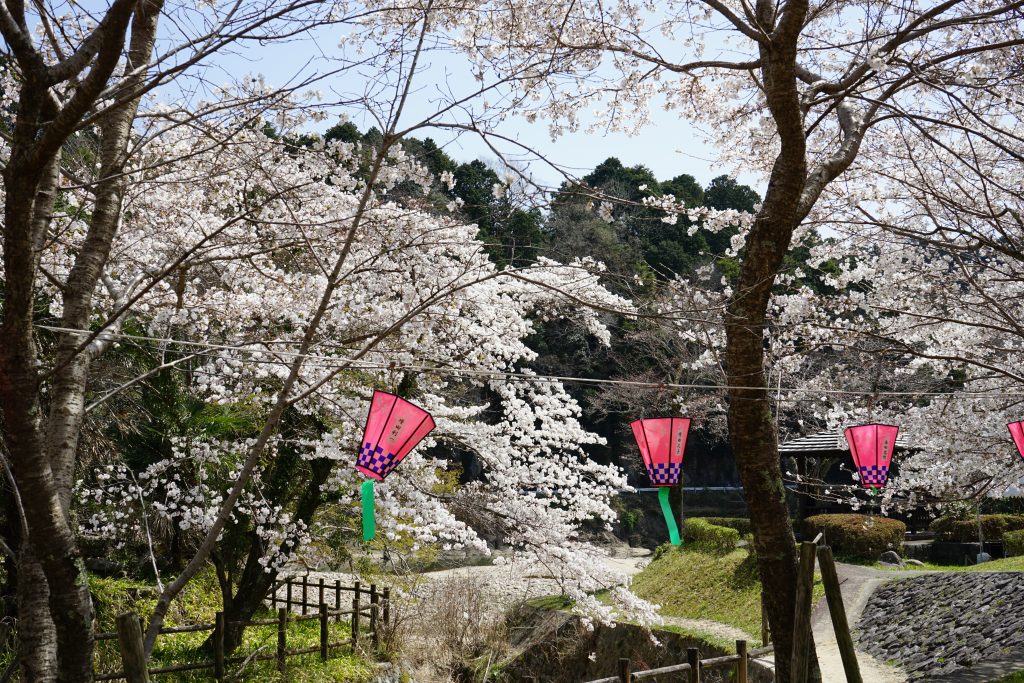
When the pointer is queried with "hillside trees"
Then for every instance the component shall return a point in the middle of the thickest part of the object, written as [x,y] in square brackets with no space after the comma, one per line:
[800,91]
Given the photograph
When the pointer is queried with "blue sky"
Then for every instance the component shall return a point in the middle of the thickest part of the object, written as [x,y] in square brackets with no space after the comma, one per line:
[668,146]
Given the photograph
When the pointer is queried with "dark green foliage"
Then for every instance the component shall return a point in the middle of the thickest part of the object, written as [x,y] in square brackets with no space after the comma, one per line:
[1013,543]
[857,536]
[703,534]
[740,524]
[725,193]
[513,234]
[993,527]
[346,132]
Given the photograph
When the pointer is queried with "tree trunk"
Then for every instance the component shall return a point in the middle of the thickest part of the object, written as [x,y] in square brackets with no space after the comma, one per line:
[256,580]
[37,637]
[751,425]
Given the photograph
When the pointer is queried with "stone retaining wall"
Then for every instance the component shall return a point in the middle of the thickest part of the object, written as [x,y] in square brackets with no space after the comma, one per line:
[938,623]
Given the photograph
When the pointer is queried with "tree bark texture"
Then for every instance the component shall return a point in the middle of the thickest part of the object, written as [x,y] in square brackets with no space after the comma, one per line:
[43,449]
[751,424]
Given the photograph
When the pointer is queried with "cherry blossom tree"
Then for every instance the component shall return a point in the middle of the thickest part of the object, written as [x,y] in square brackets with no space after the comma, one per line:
[302,283]
[797,91]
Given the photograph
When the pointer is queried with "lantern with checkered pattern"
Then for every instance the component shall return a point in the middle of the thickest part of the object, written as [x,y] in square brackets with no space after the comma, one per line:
[871,447]
[662,442]
[393,428]
[1017,432]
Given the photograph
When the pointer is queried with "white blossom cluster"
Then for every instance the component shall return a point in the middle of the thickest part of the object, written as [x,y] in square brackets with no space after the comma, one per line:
[184,492]
[228,248]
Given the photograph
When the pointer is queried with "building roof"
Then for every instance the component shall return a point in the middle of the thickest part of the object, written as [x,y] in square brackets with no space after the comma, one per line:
[824,442]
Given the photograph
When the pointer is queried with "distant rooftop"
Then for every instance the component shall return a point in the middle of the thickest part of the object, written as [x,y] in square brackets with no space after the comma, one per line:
[827,442]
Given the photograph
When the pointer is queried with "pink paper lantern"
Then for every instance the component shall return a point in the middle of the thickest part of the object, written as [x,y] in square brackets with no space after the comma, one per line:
[393,428]
[871,447]
[662,442]
[1017,432]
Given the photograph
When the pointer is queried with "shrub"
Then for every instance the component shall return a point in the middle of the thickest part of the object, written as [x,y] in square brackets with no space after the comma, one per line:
[993,527]
[703,534]
[858,536]
[1013,543]
[740,524]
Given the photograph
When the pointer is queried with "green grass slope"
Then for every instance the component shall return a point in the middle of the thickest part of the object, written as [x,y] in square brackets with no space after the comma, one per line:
[697,583]
[704,584]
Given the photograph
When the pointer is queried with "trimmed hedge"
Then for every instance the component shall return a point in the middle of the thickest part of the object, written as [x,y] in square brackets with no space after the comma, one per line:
[1013,543]
[965,530]
[740,524]
[858,536]
[703,534]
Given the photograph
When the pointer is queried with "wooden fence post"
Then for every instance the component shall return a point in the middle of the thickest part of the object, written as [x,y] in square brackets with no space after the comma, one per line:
[741,666]
[693,659]
[218,646]
[802,614]
[337,600]
[355,620]
[323,631]
[133,654]
[305,597]
[320,586]
[374,622]
[837,610]
[282,637]
[625,671]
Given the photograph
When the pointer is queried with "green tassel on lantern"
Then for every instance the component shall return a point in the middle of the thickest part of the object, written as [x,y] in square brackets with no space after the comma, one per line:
[369,522]
[670,519]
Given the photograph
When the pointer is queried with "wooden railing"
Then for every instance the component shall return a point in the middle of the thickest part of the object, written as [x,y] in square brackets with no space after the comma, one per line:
[377,611]
[693,666]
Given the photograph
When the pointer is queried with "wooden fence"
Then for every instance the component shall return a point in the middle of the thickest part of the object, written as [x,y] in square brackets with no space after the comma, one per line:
[377,611]
[693,666]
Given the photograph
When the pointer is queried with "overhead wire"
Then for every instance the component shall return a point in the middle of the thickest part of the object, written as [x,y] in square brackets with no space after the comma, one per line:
[338,362]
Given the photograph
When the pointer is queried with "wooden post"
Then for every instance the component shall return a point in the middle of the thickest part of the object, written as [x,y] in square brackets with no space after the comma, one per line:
[693,659]
[218,646]
[387,607]
[282,637]
[836,610]
[374,613]
[802,614]
[305,596]
[337,600]
[323,629]
[320,586]
[133,654]
[355,620]
[288,595]
[741,666]
[625,671]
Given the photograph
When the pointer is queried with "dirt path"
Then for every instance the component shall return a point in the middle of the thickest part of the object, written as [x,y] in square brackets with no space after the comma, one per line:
[857,583]
[714,628]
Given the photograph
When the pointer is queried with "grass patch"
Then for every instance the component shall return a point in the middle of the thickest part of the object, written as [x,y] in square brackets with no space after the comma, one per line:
[1006,564]
[704,636]
[198,604]
[1017,677]
[696,583]
[556,602]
